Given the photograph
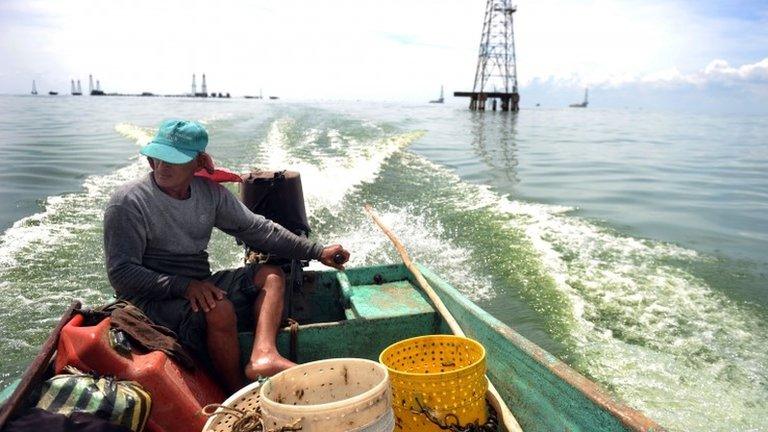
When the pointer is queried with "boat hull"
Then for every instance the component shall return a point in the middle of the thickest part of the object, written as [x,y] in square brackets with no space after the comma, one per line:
[544,393]
[361,311]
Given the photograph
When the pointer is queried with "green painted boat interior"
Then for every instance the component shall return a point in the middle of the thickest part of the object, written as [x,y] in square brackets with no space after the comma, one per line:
[356,313]
[361,311]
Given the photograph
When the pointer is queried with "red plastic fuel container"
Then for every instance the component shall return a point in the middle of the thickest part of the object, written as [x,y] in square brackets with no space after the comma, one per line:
[177,394]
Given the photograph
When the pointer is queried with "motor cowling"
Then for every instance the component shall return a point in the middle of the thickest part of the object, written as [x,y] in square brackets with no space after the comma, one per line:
[278,196]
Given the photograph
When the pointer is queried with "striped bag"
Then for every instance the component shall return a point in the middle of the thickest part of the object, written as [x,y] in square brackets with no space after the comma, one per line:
[120,402]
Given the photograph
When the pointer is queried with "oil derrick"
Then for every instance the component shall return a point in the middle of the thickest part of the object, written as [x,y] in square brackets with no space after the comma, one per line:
[94,91]
[76,88]
[496,73]
[204,89]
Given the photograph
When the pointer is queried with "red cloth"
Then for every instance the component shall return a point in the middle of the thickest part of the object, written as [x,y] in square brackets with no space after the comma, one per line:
[220,175]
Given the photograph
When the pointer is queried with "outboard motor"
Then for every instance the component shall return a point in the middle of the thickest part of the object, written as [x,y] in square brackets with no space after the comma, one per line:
[278,196]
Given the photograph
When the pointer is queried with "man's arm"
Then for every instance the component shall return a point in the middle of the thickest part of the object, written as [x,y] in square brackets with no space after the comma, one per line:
[260,233]
[124,243]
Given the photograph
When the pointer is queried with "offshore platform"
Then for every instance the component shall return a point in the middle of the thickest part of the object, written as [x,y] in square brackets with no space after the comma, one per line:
[76,90]
[204,89]
[496,73]
[97,91]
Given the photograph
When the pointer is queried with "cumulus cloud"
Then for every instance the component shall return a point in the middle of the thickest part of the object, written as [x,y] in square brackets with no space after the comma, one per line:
[717,72]
[720,70]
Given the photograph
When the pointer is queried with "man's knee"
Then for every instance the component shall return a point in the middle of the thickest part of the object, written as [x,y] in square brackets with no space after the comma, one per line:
[270,277]
[222,317]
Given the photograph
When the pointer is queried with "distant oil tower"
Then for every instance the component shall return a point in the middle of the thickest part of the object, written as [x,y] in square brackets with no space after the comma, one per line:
[94,91]
[76,89]
[204,87]
[496,73]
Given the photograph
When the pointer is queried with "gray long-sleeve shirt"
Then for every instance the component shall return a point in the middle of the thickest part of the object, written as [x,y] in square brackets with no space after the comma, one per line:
[155,244]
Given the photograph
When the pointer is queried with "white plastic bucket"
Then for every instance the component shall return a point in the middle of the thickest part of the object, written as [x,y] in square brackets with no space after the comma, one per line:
[345,394]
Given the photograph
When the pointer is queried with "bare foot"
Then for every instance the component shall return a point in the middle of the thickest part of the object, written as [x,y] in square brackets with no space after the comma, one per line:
[266,364]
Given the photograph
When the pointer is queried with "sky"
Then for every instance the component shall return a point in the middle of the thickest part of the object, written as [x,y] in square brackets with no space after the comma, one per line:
[677,54]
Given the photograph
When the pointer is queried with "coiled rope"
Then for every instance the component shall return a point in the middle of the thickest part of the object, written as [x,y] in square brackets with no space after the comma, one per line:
[451,421]
[246,422]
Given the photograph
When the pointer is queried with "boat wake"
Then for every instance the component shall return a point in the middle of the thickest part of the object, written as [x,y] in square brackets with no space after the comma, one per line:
[644,324]
[331,171]
[629,311]
[335,168]
[425,242]
[67,215]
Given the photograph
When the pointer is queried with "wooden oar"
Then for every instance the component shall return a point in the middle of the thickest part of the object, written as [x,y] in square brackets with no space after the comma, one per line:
[506,417]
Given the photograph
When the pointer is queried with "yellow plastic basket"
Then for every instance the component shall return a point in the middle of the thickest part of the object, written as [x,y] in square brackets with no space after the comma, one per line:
[443,374]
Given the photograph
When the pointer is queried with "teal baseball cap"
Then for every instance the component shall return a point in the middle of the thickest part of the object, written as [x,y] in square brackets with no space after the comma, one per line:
[177,142]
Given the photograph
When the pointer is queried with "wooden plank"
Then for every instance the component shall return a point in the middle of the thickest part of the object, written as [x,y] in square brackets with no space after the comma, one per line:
[36,369]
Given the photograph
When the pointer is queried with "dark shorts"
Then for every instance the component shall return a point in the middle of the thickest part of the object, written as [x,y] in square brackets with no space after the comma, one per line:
[190,327]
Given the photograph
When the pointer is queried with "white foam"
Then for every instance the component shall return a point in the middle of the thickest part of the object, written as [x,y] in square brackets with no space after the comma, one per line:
[328,181]
[139,134]
[215,117]
[335,139]
[425,243]
[45,228]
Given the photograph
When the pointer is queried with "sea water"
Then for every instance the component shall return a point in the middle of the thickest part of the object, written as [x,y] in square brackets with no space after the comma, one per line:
[632,244]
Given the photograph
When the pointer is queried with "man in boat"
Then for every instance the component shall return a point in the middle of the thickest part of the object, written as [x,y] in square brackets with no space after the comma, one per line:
[156,232]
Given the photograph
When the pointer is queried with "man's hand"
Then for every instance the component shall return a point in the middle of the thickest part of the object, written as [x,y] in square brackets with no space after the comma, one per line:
[334,256]
[203,295]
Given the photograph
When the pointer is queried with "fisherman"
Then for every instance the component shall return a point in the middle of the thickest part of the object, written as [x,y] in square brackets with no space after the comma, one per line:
[156,232]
